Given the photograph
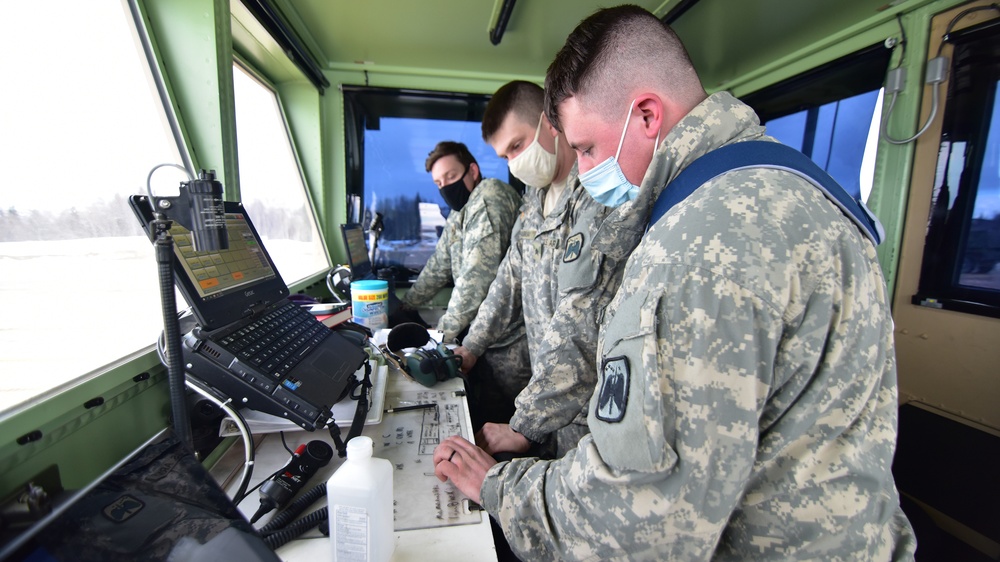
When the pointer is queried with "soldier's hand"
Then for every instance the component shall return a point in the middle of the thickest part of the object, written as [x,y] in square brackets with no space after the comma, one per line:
[468,359]
[464,464]
[500,438]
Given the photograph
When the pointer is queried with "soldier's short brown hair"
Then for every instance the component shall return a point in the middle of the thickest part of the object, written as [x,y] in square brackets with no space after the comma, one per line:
[523,99]
[613,51]
[450,148]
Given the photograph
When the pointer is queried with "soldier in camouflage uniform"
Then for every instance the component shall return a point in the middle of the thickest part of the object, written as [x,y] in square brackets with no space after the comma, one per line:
[468,254]
[746,404]
[551,274]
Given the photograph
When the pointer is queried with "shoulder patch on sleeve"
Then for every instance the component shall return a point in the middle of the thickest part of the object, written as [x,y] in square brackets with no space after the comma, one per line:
[574,245]
[613,397]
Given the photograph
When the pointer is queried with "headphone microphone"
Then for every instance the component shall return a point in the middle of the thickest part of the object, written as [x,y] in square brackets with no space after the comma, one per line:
[426,366]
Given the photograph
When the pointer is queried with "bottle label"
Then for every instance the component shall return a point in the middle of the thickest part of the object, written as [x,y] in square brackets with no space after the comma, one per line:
[351,536]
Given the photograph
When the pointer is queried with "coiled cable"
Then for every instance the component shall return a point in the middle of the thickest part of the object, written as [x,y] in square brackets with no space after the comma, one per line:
[293,510]
[276,539]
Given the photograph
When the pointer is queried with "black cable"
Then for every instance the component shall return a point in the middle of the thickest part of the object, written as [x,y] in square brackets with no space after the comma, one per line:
[244,482]
[279,538]
[338,441]
[293,510]
[259,484]
[361,410]
[249,444]
[242,493]
[902,41]
[955,20]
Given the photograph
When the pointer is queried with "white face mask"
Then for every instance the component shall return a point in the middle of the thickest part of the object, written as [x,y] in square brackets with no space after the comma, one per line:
[535,166]
[606,182]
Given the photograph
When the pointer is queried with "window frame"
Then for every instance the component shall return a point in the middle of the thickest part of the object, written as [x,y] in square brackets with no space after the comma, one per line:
[847,77]
[948,227]
[364,106]
[254,74]
[852,74]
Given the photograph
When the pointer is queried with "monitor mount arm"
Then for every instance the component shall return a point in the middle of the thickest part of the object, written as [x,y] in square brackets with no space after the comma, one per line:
[199,208]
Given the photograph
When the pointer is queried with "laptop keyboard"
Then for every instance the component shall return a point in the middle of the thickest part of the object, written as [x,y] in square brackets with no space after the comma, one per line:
[277,341]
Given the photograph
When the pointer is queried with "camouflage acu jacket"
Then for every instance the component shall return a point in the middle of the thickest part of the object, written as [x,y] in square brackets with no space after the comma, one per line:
[746,398]
[561,284]
[468,254]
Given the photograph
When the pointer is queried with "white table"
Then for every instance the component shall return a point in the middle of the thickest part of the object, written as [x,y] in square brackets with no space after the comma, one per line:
[472,542]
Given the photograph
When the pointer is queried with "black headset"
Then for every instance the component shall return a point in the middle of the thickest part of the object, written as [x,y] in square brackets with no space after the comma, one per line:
[426,366]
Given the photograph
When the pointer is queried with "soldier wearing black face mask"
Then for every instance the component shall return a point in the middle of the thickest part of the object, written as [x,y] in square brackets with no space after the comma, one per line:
[468,254]
[456,193]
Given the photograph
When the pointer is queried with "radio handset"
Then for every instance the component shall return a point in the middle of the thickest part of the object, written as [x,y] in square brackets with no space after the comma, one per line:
[307,459]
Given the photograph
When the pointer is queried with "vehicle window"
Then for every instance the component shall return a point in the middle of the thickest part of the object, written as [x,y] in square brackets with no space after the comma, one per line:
[961,262]
[77,273]
[271,185]
[831,113]
[837,136]
[389,135]
[981,251]
[401,189]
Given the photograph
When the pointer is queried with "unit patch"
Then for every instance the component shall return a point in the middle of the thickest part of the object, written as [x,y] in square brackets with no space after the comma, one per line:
[612,399]
[123,508]
[573,247]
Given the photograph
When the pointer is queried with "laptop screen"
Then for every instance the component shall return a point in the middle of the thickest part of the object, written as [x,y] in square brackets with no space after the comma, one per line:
[221,286]
[219,272]
[158,503]
[357,251]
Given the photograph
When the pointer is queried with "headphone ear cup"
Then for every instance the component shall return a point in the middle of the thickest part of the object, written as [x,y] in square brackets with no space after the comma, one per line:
[420,365]
[428,367]
[407,334]
[338,280]
[449,362]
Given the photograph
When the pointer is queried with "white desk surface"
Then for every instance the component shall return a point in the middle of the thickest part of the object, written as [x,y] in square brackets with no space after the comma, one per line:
[469,542]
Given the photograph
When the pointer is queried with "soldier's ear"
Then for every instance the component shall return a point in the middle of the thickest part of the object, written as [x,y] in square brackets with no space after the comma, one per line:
[548,126]
[476,176]
[651,109]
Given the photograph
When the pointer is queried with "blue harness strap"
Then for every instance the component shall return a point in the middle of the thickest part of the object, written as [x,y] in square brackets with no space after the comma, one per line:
[764,154]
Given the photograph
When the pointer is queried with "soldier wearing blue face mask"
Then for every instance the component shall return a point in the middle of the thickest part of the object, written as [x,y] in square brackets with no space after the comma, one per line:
[746,400]
[551,276]
[606,182]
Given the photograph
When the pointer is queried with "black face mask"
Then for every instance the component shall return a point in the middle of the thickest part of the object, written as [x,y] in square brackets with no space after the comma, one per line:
[456,194]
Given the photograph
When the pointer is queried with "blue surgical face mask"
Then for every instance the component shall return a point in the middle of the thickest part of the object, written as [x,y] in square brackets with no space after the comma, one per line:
[606,182]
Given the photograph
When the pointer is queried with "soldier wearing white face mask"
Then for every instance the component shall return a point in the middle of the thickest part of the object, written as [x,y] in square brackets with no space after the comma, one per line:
[550,274]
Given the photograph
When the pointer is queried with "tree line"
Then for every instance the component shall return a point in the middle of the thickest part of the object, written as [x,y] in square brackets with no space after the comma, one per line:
[114,218]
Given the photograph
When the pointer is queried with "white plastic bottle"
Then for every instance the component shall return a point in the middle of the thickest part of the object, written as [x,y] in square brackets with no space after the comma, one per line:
[359,498]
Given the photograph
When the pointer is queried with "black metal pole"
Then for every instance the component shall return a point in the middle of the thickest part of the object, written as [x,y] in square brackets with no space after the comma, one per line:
[164,245]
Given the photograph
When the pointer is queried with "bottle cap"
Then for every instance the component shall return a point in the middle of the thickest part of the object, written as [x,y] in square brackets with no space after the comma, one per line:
[361,447]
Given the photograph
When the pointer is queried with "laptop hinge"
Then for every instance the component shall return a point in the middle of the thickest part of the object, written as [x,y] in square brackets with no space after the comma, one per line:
[254,310]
